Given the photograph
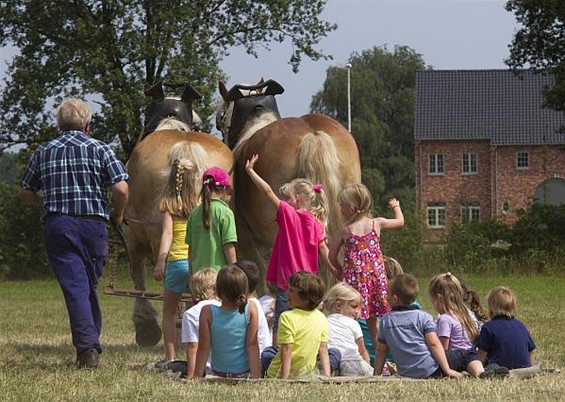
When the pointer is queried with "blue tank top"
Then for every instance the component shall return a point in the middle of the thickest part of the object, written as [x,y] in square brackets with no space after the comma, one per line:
[228,335]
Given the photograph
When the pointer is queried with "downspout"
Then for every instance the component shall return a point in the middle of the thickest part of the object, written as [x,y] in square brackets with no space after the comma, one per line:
[496,182]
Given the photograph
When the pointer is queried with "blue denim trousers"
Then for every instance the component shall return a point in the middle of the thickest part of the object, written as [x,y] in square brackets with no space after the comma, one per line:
[77,249]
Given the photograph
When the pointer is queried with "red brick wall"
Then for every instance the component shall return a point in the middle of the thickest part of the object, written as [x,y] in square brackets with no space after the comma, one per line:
[497,180]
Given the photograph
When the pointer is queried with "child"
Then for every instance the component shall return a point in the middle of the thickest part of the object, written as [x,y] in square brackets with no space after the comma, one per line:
[505,341]
[457,327]
[179,198]
[342,303]
[203,290]
[411,336]
[473,303]
[301,235]
[268,305]
[302,333]
[211,232]
[229,332]
[363,266]
[251,270]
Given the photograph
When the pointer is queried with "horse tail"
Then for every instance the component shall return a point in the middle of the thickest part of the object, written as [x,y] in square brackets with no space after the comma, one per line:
[319,163]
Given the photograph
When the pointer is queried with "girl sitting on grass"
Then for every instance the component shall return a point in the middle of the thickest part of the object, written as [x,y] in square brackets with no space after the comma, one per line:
[229,332]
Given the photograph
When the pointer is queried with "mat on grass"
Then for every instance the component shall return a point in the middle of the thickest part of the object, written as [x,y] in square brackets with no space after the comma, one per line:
[177,368]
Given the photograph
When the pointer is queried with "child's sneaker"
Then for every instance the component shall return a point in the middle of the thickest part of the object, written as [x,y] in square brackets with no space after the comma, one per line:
[162,364]
[386,371]
[494,370]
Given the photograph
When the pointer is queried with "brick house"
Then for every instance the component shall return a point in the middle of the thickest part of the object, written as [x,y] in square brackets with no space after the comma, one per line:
[485,146]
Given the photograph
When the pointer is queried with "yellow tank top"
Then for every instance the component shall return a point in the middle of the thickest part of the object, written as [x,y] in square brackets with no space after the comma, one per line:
[179,249]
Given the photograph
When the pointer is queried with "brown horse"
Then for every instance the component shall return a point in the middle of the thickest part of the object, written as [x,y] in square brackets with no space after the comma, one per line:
[312,146]
[148,167]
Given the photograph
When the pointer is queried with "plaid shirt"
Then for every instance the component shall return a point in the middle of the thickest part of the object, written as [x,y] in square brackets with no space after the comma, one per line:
[73,172]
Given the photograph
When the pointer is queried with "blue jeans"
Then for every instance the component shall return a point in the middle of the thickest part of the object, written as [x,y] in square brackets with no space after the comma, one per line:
[270,351]
[77,250]
[281,305]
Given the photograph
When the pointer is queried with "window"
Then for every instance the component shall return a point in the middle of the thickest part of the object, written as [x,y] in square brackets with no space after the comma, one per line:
[469,164]
[436,215]
[435,164]
[522,160]
[470,212]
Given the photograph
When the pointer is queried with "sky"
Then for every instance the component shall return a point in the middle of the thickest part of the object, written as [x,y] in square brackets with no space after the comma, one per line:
[449,34]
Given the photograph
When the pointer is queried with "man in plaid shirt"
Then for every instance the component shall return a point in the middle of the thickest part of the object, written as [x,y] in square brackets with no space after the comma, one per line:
[69,177]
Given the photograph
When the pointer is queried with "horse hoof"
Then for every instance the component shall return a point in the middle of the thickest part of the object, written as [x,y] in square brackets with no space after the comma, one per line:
[147,335]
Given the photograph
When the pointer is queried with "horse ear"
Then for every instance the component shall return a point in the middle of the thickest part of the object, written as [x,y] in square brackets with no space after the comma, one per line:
[156,92]
[223,90]
[273,88]
[261,82]
[190,94]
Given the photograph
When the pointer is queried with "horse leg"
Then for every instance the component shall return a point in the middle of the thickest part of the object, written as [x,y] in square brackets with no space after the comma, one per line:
[147,330]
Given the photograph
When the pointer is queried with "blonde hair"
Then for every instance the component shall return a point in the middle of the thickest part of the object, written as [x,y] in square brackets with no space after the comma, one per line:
[312,197]
[342,293]
[203,284]
[502,301]
[232,286]
[180,195]
[446,290]
[358,197]
[392,268]
[73,114]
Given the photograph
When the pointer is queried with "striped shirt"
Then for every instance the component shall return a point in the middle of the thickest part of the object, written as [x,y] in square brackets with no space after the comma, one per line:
[73,173]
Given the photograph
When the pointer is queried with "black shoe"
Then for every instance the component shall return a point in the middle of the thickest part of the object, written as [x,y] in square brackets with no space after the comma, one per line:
[88,359]
[494,370]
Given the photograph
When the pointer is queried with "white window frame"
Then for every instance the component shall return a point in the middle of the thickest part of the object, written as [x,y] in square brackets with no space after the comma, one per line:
[435,213]
[520,158]
[470,213]
[469,163]
[436,164]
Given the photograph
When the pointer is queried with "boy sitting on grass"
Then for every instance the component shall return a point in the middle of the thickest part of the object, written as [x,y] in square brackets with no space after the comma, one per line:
[302,332]
[203,289]
[410,334]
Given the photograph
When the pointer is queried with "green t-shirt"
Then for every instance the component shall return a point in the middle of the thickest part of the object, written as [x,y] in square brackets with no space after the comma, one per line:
[206,245]
[304,330]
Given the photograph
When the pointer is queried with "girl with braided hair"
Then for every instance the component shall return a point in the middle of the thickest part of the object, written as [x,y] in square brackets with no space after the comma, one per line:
[179,198]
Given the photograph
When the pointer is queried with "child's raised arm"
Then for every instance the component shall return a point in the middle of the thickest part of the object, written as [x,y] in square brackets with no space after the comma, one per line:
[397,221]
[203,341]
[260,183]
[252,343]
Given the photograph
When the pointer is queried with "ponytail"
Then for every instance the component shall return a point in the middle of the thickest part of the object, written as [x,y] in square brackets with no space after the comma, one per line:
[205,197]
[241,301]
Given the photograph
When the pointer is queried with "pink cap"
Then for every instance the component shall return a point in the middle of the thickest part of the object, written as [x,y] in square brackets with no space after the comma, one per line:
[216,176]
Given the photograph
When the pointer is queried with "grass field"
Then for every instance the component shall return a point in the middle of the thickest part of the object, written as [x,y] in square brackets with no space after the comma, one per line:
[36,355]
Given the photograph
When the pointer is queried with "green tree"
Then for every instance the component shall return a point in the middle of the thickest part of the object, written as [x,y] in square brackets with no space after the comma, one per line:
[382,114]
[540,43]
[110,51]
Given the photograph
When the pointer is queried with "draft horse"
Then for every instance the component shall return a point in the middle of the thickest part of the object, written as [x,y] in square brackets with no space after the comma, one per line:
[313,146]
[148,168]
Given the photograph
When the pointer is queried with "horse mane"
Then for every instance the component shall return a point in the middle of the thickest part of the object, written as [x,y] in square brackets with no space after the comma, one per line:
[318,161]
[170,123]
[250,128]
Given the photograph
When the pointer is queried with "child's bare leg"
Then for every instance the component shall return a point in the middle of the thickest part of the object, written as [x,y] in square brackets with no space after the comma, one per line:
[170,303]
[475,368]
[372,323]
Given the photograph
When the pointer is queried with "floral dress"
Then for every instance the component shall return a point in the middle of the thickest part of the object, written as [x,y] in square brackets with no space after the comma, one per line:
[363,269]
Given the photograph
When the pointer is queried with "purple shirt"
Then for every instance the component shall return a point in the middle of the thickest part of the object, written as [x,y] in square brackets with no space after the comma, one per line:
[449,326]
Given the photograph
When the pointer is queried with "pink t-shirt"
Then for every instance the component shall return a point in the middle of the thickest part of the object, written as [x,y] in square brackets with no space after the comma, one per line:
[296,244]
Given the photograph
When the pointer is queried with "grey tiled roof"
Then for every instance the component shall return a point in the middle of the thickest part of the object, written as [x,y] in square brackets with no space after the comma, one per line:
[485,104]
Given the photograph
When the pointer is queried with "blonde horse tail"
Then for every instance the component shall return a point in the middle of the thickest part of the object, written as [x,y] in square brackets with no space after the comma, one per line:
[318,162]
